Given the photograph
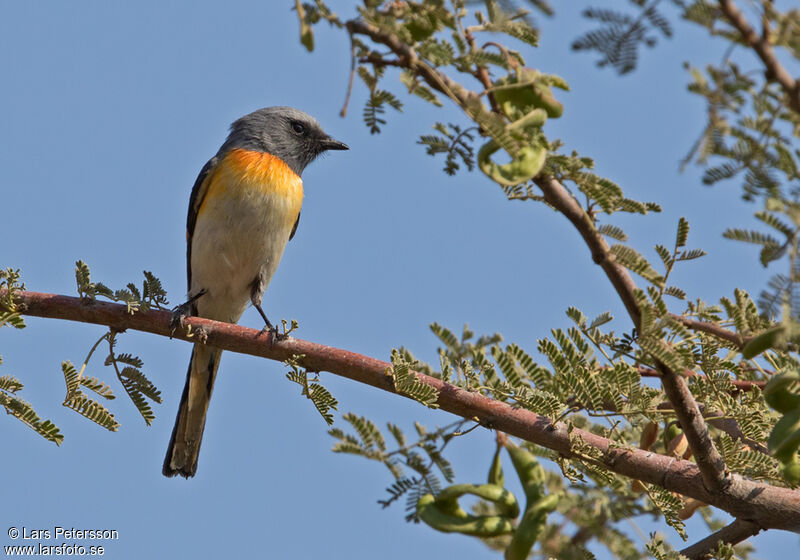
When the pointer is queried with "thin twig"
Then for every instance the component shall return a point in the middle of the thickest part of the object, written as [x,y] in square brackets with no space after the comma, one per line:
[343,112]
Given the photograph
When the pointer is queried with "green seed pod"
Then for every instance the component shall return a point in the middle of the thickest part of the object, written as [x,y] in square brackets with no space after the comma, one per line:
[422,26]
[451,507]
[785,437]
[523,168]
[791,472]
[496,475]
[531,473]
[672,431]
[447,500]
[534,119]
[529,528]
[518,93]
[532,476]
[778,395]
[497,478]
[477,526]
[783,401]
[771,338]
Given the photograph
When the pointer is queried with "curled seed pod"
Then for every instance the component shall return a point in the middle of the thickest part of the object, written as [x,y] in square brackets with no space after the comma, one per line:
[447,500]
[522,168]
[527,89]
[534,119]
[475,525]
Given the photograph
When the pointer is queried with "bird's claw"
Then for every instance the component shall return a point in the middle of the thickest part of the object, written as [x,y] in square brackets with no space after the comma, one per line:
[277,336]
[179,315]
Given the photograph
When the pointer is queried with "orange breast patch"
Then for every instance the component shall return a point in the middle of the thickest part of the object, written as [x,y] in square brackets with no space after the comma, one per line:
[260,168]
[243,173]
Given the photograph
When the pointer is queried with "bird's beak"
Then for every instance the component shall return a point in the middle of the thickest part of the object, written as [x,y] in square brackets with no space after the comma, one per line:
[331,144]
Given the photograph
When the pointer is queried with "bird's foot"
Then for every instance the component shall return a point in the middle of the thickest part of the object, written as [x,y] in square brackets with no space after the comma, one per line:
[273,330]
[277,336]
[179,315]
[181,312]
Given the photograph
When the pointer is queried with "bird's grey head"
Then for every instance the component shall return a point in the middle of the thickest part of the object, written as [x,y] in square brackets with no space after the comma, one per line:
[292,135]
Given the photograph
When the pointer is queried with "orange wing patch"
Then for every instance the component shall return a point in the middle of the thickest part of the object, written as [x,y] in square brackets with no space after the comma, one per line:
[242,173]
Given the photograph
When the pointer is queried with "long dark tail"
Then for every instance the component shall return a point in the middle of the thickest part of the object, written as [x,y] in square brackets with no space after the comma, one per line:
[184,445]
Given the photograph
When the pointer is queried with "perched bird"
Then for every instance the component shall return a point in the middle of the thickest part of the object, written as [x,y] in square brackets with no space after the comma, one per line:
[244,208]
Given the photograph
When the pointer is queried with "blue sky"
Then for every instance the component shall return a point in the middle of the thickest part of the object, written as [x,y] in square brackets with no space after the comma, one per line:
[111,109]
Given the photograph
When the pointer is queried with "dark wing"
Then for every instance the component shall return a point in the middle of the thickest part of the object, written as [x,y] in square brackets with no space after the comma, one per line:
[198,194]
[294,229]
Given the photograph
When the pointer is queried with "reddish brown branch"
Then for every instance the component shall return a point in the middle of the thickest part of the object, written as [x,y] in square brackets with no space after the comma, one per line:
[734,533]
[769,506]
[765,51]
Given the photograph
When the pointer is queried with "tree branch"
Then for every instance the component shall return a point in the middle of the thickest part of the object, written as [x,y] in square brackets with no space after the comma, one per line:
[559,198]
[734,533]
[715,475]
[713,329]
[738,384]
[768,506]
[715,418]
[765,51]
[377,60]
[710,462]
[409,59]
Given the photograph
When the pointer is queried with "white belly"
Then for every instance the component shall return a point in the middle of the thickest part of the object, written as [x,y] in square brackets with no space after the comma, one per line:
[235,240]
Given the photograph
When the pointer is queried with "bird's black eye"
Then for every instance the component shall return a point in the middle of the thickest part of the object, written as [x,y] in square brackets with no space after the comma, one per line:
[298,127]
